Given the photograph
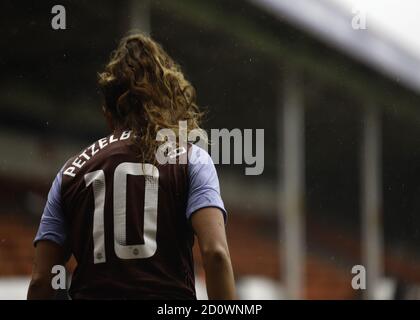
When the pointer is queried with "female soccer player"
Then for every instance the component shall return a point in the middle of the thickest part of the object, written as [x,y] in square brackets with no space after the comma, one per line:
[128,220]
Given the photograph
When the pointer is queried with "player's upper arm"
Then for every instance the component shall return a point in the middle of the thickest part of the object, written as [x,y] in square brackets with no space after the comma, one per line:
[50,243]
[52,226]
[205,205]
[47,255]
[209,226]
[204,189]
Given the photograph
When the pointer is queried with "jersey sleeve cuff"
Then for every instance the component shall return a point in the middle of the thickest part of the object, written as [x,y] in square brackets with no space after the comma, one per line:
[195,209]
[49,237]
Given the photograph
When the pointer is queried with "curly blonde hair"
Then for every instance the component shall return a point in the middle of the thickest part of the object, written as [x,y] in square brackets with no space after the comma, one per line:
[145,91]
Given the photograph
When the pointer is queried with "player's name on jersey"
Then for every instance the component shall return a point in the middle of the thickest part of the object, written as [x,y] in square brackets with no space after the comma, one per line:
[92,150]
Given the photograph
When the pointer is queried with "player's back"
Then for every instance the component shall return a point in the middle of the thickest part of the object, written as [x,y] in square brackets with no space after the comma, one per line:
[126,224]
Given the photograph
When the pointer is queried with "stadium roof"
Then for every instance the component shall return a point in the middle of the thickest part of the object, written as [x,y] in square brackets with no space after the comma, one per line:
[332,25]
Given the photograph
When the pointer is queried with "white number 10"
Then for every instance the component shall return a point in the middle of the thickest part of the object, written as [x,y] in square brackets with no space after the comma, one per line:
[122,250]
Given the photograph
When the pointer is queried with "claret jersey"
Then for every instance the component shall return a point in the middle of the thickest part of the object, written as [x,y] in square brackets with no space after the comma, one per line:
[127,223]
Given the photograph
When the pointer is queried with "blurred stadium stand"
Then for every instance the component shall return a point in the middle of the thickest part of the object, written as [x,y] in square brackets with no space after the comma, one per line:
[238,55]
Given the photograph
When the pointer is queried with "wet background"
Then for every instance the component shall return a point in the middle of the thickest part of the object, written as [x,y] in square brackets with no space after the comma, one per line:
[342,135]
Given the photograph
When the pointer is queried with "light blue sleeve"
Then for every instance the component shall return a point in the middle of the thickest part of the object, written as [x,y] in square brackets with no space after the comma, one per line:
[204,190]
[52,226]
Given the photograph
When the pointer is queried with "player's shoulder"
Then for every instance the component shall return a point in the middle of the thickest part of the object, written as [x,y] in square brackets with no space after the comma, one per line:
[94,151]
